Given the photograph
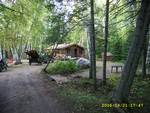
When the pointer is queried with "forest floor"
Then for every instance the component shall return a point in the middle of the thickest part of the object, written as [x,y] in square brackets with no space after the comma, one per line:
[23,89]
[80,91]
[84,73]
[99,70]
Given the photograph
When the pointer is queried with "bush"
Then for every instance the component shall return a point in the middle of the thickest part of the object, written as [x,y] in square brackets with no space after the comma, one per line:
[62,67]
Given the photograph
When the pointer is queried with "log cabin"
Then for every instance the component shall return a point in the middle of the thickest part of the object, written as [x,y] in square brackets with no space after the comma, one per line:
[63,50]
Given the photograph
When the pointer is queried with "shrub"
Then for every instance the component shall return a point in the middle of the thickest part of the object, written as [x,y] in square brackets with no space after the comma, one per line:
[62,67]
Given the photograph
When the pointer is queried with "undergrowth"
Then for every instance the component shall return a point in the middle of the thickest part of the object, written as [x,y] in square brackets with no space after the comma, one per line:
[62,67]
[86,100]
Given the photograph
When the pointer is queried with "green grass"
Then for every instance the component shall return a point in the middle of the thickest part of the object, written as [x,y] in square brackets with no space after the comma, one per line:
[85,100]
[62,67]
[140,93]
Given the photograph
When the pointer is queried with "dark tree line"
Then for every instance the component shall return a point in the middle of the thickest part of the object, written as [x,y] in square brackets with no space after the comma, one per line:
[137,49]
[142,25]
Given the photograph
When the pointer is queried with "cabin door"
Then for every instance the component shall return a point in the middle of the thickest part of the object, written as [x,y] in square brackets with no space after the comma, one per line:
[75,53]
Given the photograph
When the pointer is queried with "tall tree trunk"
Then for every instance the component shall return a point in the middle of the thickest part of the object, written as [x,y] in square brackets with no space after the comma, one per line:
[88,26]
[122,91]
[144,55]
[105,43]
[51,57]
[144,63]
[17,55]
[2,51]
[93,56]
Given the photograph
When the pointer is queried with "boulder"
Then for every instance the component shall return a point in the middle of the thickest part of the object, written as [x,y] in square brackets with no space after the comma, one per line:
[83,63]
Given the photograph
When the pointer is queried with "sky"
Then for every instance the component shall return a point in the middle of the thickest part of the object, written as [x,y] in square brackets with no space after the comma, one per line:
[66,7]
[7,2]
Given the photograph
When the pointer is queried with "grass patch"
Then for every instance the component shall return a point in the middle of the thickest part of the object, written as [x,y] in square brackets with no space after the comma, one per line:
[62,67]
[85,99]
[140,94]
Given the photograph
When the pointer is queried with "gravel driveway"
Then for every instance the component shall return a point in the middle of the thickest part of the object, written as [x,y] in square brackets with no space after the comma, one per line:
[24,90]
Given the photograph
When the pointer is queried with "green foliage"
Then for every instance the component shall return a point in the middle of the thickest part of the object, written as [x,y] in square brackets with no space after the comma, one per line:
[82,101]
[140,93]
[22,23]
[84,98]
[113,79]
[99,47]
[127,44]
[116,48]
[37,23]
[62,67]
[55,29]
[121,25]
[76,35]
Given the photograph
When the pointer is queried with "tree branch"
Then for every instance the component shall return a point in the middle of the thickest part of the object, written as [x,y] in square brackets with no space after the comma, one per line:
[3,6]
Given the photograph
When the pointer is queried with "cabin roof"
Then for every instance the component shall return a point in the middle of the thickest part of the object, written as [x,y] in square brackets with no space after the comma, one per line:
[64,46]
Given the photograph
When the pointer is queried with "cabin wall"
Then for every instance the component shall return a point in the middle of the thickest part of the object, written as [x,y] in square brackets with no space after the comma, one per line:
[75,52]
[70,51]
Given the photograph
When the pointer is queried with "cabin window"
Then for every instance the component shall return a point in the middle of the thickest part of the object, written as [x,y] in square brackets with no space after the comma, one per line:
[75,52]
[80,51]
[68,51]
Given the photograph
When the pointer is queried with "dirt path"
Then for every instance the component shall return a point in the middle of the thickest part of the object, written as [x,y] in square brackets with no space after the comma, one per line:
[99,70]
[23,90]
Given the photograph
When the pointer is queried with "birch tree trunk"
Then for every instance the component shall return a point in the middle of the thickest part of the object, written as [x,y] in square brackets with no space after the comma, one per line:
[2,51]
[88,29]
[123,89]
[17,55]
